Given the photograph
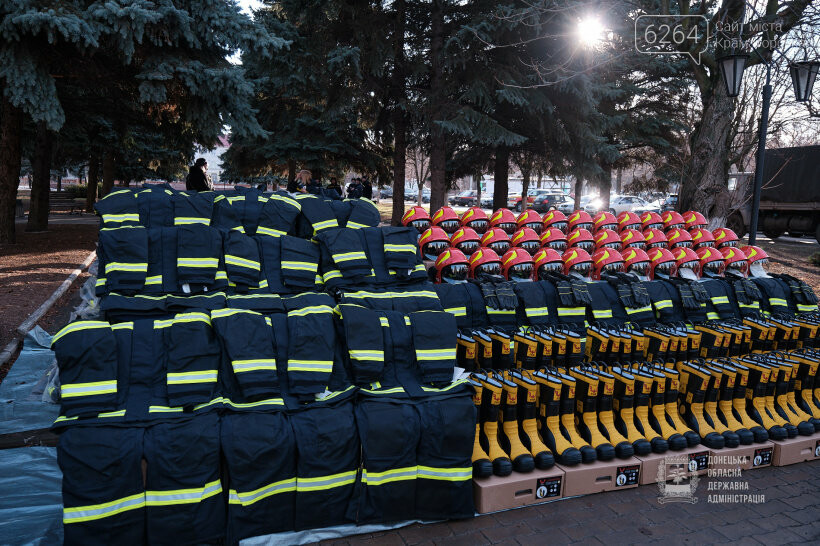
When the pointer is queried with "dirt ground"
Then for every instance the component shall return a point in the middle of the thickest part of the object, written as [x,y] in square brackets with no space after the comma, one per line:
[788,255]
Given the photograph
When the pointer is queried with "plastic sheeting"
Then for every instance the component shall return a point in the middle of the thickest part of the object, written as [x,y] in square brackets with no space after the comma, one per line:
[328,533]
[21,393]
[31,505]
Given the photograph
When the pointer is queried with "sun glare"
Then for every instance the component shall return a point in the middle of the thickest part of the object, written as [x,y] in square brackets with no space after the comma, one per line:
[590,32]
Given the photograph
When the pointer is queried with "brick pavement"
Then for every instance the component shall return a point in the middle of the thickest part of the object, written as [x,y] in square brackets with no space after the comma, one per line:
[789,515]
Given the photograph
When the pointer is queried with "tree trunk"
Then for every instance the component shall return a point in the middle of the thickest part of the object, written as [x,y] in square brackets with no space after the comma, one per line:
[59,182]
[41,185]
[477,180]
[438,150]
[11,127]
[291,170]
[93,180]
[399,119]
[540,181]
[619,178]
[501,177]
[704,185]
[579,187]
[108,173]
[605,186]
[525,187]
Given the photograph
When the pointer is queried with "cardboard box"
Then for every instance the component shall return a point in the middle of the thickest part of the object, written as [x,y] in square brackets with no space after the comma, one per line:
[516,490]
[599,476]
[696,460]
[742,457]
[796,450]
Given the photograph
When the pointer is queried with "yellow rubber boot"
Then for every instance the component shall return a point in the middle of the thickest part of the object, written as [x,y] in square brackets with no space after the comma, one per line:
[549,395]
[672,410]
[569,427]
[756,390]
[606,418]
[490,413]
[739,407]
[521,458]
[528,431]
[657,413]
[695,397]
[586,404]
[482,465]
[623,403]
[643,391]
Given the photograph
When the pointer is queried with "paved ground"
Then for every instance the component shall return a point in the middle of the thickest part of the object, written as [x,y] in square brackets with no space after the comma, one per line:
[789,515]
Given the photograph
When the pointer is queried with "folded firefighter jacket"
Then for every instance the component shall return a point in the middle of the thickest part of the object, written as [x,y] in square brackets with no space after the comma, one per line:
[538,303]
[419,298]
[465,302]
[666,301]
[722,304]
[775,295]
[606,307]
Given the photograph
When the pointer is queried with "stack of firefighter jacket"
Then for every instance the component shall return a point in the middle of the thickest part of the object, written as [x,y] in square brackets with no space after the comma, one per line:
[231,392]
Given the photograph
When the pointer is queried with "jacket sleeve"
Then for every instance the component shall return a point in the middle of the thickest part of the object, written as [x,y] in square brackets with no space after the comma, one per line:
[365,344]
[124,258]
[434,340]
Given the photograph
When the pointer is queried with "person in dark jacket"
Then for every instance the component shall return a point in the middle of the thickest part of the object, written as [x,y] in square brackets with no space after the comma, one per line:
[334,185]
[299,184]
[367,188]
[314,187]
[355,189]
[198,179]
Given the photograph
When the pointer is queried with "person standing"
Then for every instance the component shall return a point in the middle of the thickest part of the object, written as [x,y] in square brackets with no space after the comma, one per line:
[355,189]
[299,184]
[198,179]
[367,188]
[334,186]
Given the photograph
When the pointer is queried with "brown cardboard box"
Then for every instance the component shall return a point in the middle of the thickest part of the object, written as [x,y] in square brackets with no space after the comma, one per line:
[601,476]
[796,450]
[652,462]
[742,457]
[516,490]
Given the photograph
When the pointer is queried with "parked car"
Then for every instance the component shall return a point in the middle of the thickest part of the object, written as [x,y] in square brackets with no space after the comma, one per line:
[547,201]
[411,194]
[486,201]
[514,199]
[632,203]
[386,192]
[425,195]
[591,203]
[467,198]
[670,203]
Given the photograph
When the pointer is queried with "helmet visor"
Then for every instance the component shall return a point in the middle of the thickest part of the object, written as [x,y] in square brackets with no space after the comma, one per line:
[637,244]
[455,272]
[665,268]
[520,271]
[537,227]
[586,245]
[450,226]
[434,248]
[468,247]
[509,227]
[480,226]
[583,268]
[682,244]
[706,244]
[741,267]
[656,244]
[531,246]
[638,268]
[636,227]
[675,226]
[655,226]
[551,267]
[558,245]
[614,267]
[559,225]
[714,268]
[491,268]
[614,245]
[729,243]
[586,225]
[421,224]
[500,247]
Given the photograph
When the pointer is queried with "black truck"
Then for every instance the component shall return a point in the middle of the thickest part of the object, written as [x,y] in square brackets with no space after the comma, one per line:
[790,197]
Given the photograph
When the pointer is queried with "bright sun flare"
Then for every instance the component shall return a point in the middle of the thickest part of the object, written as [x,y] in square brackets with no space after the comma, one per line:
[590,32]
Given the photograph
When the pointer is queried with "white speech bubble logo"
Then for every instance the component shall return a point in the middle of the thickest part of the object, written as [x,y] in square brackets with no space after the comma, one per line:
[669,34]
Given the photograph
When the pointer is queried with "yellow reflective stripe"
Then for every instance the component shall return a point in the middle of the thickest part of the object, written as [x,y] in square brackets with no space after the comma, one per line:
[394,390]
[101,282]
[777,301]
[493,311]
[269,231]
[805,307]
[197,262]
[242,262]
[246,498]
[753,305]
[253,365]
[183,496]
[361,294]
[70,390]
[645,309]
[445,474]
[322,483]
[236,198]
[257,404]
[711,315]
[355,225]
[452,385]
[290,201]
[329,275]
[384,321]
[92,512]
[720,299]
[122,266]
[348,256]
[435,354]
[662,304]
[188,220]
[153,279]
[319,226]
[123,326]
[400,248]
[183,317]
[184,378]
[602,313]
[319,366]
[419,267]
[388,476]
[221,276]
[77,326]
[310,310]
[222,313]
[118,218]
[537,311]
[301,266]
[571,311]
[359,354]
[457,311]
[168,409]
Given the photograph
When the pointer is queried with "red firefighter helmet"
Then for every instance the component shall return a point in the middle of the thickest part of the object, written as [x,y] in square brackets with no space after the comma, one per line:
[694,219]
[555,219]
[527,239]
[504,219]
[484,260]
[661,262]
[433,242]
[629,220]
[711,261]
[654,238]
[606,260]
[447,219]
[554,238]
[672,220]
[678,238]
[604,220]
[725,237]
[546,261]
[736,260]
[581,238]
[416,217]
[577,260]
[686,258]
[466,240]
[636,261]
[755,254]
[579,219]
[607,238]
[632,238]
[451,266]
[651,220]
[517,265]
[530,219]
[497,239]
[475,218]
[701,238]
